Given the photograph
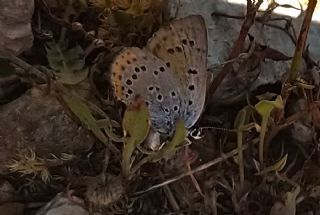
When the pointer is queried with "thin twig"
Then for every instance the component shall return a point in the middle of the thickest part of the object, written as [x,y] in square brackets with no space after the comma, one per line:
[75,26]
[27,69]
[172,200]
[198,169]
[237,48]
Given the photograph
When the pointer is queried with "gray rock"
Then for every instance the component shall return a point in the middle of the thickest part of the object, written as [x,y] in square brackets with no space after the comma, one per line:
[39,122]
[15,26]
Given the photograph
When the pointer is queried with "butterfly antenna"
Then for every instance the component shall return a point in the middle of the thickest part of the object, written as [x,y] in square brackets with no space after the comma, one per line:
[197,133]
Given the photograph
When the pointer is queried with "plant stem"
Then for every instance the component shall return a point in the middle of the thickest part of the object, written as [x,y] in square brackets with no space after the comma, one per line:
[297,58]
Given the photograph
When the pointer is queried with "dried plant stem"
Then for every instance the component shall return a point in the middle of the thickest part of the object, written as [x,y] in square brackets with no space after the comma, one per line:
[240,157]
[75,26]
[198,169]
[237,48]
[27,69]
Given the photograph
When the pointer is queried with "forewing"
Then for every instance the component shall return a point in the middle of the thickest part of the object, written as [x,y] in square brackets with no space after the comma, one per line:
[183,47]
[139,72]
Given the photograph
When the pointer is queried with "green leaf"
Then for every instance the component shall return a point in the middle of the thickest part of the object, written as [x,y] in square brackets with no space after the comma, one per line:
[68,64]
[170,148]
[136,125]
[241,120]
[276,167]
[264,108]
[83,113]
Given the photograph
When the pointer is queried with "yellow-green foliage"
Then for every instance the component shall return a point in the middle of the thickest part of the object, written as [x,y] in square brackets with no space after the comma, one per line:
[29,164]
[136,125]
[68,64]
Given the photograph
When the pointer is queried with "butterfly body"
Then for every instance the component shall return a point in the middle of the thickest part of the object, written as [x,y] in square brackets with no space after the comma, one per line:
[169,73]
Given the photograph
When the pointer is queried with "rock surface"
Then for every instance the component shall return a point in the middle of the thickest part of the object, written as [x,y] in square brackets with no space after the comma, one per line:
[39,122]
[15,26]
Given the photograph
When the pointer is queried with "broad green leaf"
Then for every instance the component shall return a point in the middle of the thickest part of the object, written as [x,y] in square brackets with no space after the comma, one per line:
[83,113]
[136,122]
[68,63]
[136,125]
[264,108]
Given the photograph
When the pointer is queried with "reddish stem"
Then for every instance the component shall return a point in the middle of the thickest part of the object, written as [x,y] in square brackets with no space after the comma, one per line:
[237,48]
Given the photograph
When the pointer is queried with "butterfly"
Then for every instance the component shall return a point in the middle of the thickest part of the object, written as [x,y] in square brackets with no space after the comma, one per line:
[169,73]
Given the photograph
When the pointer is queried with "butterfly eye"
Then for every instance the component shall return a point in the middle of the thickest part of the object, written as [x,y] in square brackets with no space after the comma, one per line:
[196,133]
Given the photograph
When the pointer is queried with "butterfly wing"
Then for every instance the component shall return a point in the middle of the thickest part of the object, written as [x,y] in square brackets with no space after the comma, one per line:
[139,72]
[183,47]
